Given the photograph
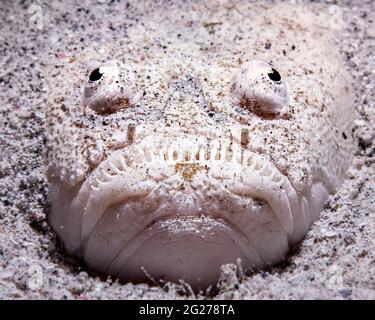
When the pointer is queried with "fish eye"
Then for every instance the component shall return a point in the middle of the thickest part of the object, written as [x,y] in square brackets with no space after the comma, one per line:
[258,88]
[109,88]
[95,75]
[274,75]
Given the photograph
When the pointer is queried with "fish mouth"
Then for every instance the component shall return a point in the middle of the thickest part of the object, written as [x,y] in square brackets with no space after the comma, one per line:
[189,248]
[130,201]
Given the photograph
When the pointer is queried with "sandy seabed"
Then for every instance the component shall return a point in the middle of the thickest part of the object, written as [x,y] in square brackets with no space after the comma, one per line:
[335,261]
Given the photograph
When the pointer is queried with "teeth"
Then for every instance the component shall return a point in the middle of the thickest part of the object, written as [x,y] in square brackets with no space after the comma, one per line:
[229,155]
[247,159]
[147,154]
[180,156]
[155,153]
[202,154]
[139,155]
[236,154]
[252,161]
[125,160]
[207,155]
[187,156]
[121,161]
[215,153]
[222,152]
[164,155]
[244,137]
[114,168]
[195,154]
[258,164]
[172,155]
[131,133]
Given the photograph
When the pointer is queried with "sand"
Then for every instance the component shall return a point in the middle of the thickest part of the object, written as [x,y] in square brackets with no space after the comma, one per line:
[335,261]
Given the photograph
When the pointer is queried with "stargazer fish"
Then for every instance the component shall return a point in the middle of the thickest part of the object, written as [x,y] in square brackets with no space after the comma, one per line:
[200,137]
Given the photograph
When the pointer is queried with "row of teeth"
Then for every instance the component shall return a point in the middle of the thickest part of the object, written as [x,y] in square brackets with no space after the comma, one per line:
[118,165]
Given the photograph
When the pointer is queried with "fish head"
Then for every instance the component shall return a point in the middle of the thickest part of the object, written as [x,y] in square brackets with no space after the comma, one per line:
[169,165]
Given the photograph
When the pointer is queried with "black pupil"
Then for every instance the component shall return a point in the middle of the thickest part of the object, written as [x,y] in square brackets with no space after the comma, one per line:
[95,75]
[274,75]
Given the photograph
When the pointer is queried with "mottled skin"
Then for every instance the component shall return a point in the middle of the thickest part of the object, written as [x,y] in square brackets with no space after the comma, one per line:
[196,157]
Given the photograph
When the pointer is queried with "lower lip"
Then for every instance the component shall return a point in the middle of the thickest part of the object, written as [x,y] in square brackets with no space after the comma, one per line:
[189,248]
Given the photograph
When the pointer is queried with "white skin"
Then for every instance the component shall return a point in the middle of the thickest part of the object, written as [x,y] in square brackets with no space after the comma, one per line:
[172,174]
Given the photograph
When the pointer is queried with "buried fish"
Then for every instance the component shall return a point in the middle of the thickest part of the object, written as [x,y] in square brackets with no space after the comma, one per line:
[170,161]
